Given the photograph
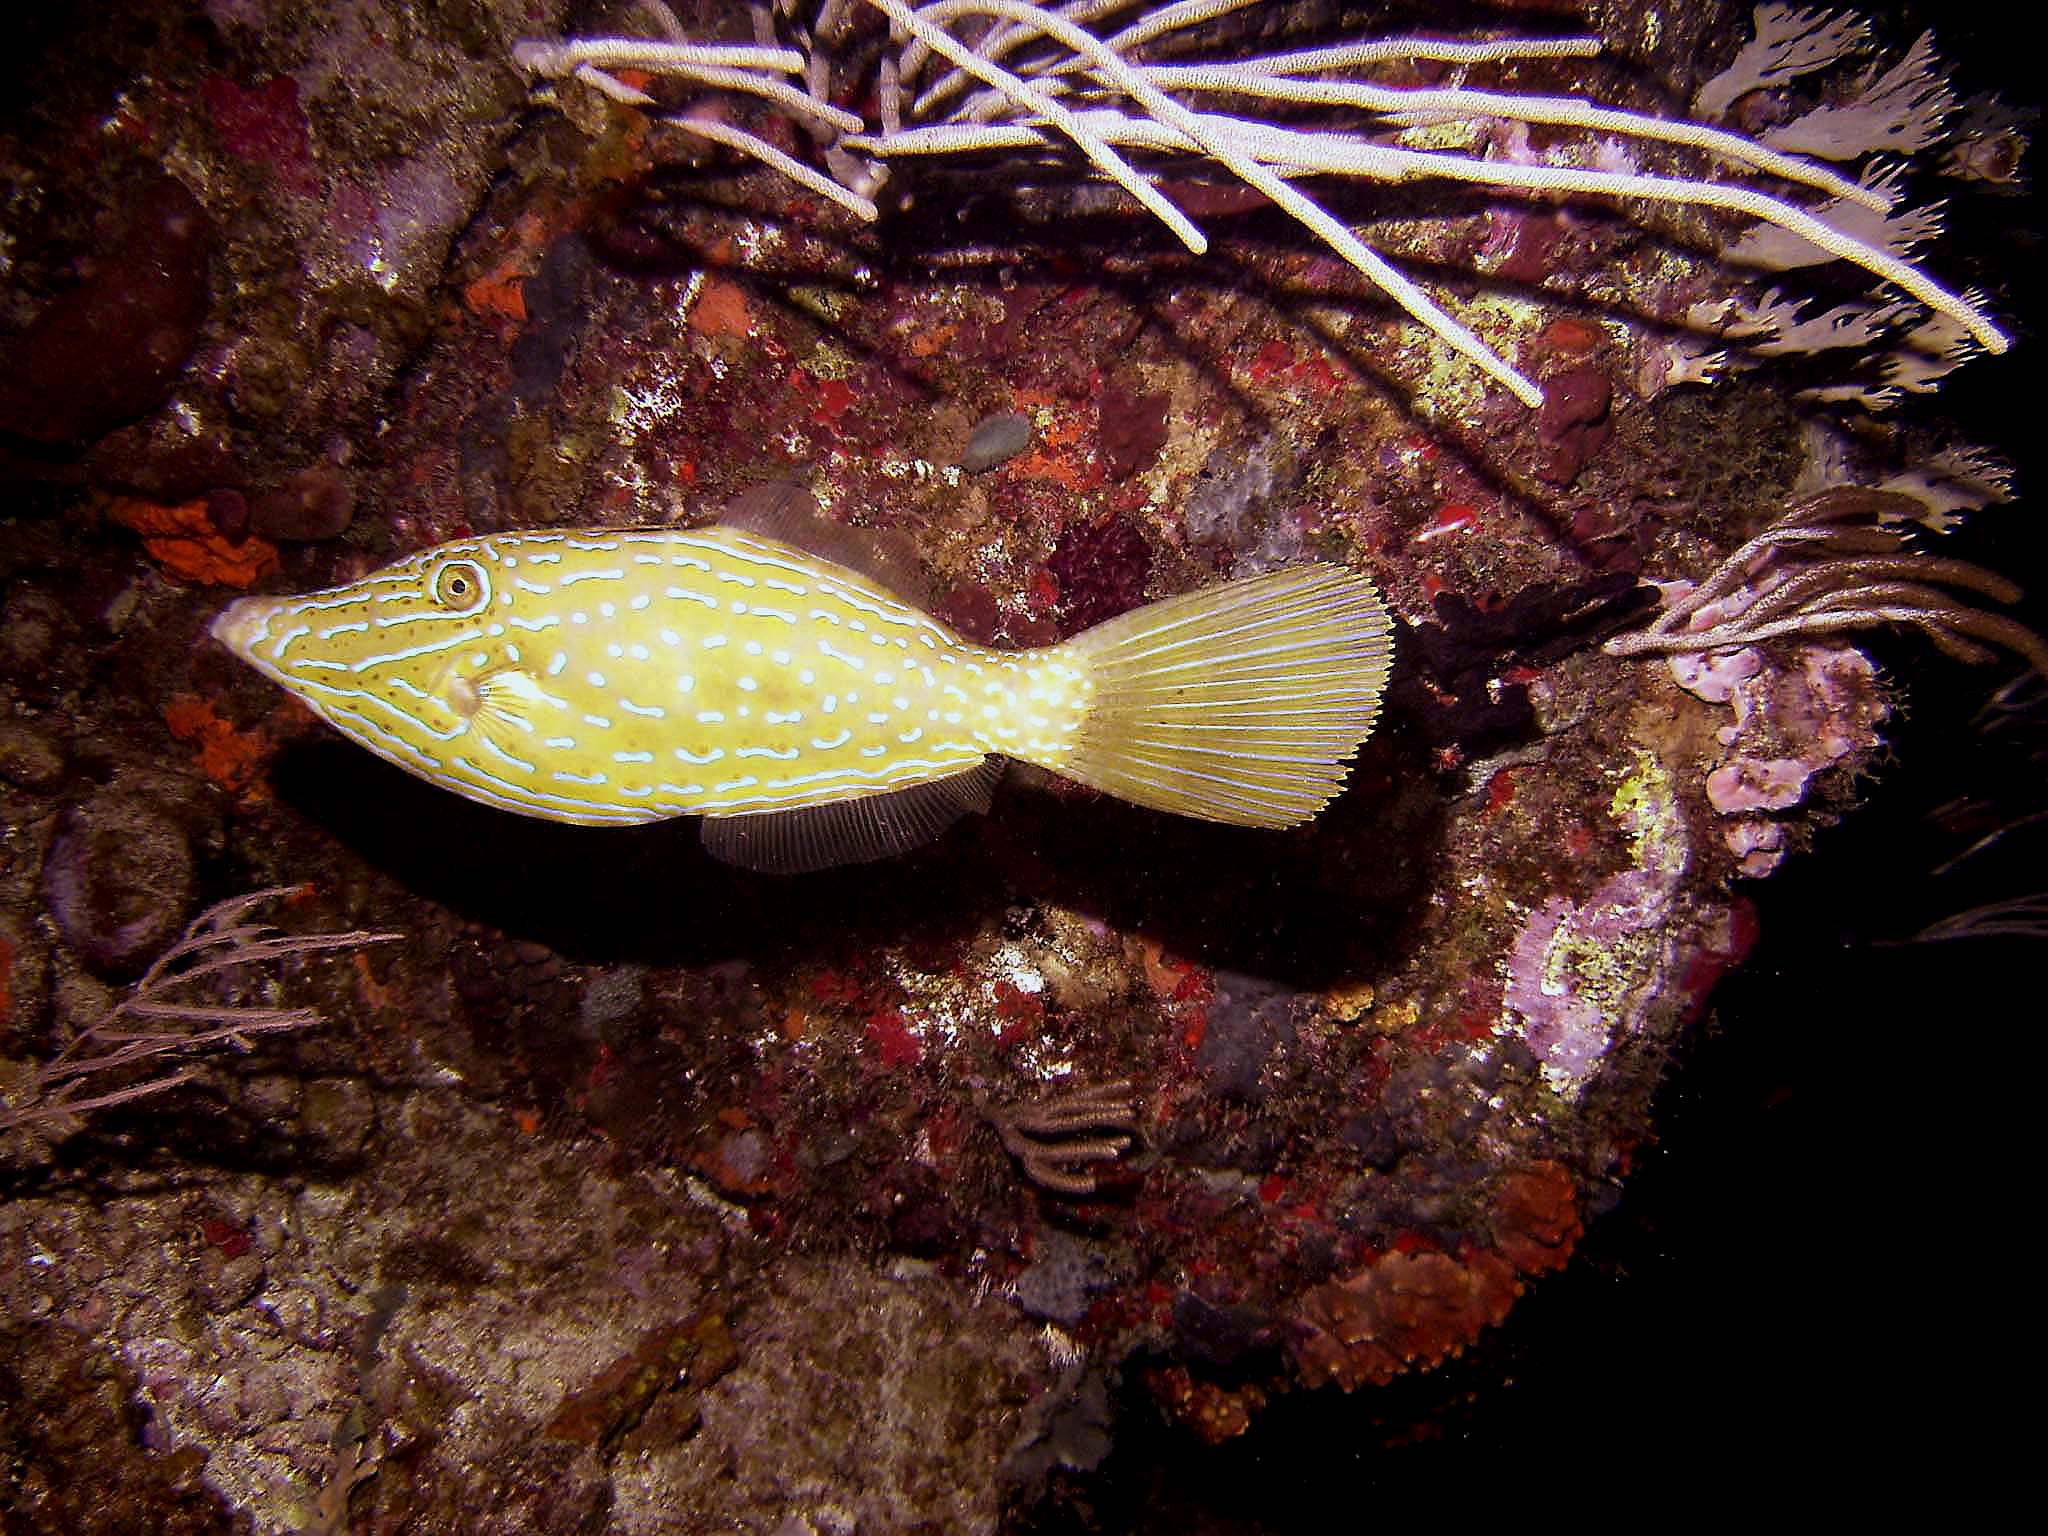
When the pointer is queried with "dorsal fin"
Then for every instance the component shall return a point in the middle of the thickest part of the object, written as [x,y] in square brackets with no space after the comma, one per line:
[850,831]
[786,512]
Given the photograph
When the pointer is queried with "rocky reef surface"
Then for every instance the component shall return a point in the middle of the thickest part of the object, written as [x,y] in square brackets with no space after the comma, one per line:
[622,1190]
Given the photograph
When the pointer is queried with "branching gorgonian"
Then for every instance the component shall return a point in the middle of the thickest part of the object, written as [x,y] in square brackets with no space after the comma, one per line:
[1136,92]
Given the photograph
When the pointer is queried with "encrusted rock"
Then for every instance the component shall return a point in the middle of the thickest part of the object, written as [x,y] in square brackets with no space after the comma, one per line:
[227,1281]
[339,1113]
[1409,1310]
[118,878]
[30,756]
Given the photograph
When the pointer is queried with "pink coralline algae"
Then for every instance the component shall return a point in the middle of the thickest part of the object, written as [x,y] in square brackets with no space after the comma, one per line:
[1715,675]
[1792,719]
[1565,1029]
[1580,973]
[1757,784]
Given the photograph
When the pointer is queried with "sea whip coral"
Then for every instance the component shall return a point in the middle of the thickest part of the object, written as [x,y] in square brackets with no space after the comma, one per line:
[979,77]
[159,1021]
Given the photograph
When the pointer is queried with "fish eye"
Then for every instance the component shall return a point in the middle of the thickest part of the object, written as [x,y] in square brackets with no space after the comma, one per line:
[460,586]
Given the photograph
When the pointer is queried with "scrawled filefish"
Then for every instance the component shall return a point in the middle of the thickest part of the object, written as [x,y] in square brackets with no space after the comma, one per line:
[752,674]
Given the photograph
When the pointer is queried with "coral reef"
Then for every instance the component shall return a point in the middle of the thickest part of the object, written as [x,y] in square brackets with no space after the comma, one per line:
[620,1182]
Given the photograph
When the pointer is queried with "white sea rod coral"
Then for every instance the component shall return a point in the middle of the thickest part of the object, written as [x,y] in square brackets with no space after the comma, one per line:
[1092,79]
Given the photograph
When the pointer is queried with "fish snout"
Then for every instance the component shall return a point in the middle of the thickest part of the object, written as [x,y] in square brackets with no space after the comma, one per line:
[241,624]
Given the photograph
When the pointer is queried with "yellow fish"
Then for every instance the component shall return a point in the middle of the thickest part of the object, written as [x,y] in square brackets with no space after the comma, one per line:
[763,673]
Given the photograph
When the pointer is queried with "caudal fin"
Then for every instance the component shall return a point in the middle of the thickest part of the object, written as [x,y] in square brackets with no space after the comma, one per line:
[1240,703]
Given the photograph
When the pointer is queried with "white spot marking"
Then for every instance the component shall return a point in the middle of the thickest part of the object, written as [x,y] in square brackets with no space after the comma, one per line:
[499,752]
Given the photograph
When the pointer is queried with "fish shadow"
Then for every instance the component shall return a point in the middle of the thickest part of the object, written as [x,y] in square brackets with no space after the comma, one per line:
[1310,906]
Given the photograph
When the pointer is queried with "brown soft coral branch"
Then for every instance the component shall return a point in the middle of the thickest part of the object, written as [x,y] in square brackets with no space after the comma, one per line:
[150,1026]
[1817,572]
[1060,1141]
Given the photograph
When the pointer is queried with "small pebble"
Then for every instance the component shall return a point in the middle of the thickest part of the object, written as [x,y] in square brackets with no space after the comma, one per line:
[996,440]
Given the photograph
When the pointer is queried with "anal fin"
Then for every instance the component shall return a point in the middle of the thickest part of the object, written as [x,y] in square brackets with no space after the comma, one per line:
[880,826]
